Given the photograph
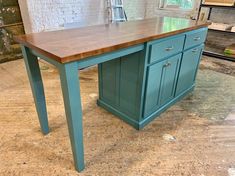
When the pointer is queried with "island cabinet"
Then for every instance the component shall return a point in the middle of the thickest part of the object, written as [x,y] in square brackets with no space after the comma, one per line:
[139,86]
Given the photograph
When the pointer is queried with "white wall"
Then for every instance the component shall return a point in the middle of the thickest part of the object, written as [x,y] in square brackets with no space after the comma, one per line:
[135,9]
[43,15]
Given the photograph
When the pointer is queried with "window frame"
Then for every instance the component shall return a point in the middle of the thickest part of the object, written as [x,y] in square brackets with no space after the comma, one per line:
[163,6]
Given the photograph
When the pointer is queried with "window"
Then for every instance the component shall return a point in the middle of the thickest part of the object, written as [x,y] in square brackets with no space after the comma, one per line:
[177,4]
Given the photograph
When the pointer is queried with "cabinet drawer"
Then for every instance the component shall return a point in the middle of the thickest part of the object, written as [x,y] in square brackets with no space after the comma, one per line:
[195,38]
[166,48]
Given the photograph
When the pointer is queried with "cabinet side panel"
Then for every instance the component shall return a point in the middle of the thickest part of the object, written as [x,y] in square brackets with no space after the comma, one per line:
[108,80]
[130,84]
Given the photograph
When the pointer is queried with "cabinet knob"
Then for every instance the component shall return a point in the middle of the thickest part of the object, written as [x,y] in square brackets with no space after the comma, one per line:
[196,38]
[169,48]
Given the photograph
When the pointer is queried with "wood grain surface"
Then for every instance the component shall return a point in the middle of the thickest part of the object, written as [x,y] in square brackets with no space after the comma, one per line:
[76,44]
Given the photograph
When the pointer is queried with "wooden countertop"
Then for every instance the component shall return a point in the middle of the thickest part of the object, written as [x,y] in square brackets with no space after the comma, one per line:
[76,44]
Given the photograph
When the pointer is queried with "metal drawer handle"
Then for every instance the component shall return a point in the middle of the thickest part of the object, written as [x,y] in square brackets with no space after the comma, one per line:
[169,48]
[194,50]
[196,38]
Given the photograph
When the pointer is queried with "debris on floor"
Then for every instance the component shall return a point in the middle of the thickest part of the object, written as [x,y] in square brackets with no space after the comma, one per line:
[168,137]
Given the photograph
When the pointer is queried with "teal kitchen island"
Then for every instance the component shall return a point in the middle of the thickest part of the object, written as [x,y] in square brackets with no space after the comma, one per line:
[144,67]
[139,86]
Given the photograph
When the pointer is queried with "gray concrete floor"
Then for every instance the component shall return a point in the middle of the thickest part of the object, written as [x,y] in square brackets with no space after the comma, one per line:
[202,127]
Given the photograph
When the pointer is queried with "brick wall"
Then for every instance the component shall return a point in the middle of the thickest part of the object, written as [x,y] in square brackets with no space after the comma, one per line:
[135,9]
[41,15]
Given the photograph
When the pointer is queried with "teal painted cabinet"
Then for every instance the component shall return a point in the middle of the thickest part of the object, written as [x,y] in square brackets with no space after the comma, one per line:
[140,86]
[188,69]
[153,87]
[161,82]
[169,77]
[120,82]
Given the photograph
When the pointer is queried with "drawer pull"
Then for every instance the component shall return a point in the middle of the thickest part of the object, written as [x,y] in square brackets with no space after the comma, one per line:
[196,38]
[169,48]
[195,50]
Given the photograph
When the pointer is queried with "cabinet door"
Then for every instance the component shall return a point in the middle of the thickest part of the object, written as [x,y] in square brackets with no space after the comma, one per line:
[161,82]
[169,78]
[154,77]
[188,69]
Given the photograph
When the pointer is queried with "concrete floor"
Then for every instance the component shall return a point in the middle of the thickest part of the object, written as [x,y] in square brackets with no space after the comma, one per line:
[194,137]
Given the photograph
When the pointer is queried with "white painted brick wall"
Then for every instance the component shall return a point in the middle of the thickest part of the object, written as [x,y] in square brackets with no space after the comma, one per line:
[41,15]
[135,9]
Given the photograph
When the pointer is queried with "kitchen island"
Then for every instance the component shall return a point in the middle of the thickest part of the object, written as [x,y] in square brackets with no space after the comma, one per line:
[144,67]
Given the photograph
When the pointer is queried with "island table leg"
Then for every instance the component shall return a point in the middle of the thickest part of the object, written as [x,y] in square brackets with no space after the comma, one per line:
[34,74]
[73,109]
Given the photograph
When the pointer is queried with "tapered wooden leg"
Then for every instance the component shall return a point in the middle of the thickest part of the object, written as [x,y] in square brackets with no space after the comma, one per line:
[72,102]
[34,74]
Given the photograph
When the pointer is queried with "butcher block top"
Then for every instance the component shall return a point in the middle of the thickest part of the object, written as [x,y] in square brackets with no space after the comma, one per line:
[75,44]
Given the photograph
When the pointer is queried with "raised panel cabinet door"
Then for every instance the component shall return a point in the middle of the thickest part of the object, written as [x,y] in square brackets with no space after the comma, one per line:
[188,69]
[152,93]
[169,78]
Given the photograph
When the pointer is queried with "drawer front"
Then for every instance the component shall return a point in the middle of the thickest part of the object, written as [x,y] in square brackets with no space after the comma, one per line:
[195,38]
[166,48]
